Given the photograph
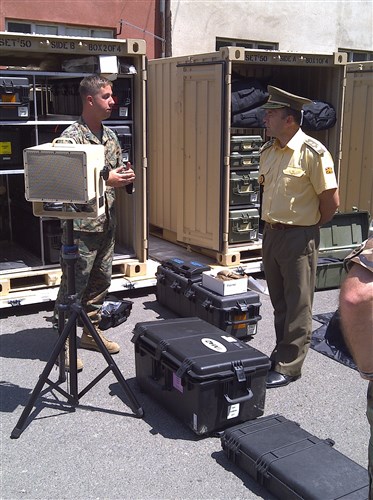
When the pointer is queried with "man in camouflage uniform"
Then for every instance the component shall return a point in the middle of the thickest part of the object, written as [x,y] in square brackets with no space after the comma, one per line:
[95,237]
[356,309]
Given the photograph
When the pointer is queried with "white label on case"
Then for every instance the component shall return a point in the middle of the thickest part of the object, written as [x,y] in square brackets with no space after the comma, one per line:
[123,111]
[233,411]
[214,345]
[195,422]
[23,111]
[229,339]
[176,382]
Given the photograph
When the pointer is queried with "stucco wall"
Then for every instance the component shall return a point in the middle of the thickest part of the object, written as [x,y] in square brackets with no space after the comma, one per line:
[93,13]
[297,25]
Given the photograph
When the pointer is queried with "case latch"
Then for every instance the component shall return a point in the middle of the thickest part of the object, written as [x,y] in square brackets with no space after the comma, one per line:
[186,365]
[161,347]
[239,371]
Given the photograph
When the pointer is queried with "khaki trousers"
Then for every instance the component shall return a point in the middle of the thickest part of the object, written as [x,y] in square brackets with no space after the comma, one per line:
[290,263]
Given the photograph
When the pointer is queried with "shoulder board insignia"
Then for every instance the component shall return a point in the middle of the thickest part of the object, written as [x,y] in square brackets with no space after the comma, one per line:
[267,145]
[316,146]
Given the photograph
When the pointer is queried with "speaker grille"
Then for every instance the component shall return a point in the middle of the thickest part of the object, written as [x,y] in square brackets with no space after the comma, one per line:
[56,177]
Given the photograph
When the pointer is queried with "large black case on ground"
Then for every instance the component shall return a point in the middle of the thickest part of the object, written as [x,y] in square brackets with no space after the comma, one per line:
[292,463]
[183,293]
[205,377]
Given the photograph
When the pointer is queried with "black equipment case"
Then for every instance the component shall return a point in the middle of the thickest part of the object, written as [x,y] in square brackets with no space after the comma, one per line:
[292,463]
[179,287]
[14,99]
[205,377]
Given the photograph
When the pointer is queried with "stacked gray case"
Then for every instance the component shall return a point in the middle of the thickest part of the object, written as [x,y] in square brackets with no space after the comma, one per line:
[338,237]
[244,189]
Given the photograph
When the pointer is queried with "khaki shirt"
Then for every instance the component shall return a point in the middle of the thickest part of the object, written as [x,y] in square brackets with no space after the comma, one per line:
[80,132]
[293,177]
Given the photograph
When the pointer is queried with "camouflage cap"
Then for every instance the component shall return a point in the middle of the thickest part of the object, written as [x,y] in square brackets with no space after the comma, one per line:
[281,99]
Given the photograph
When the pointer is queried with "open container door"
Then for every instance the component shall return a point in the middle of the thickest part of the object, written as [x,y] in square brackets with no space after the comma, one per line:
[200,153]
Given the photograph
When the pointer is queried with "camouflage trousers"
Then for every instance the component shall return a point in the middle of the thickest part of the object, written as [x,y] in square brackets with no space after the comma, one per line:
[370,450]
[92,272]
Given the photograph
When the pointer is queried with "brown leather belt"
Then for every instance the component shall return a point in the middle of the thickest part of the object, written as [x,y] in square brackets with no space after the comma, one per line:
[281,226]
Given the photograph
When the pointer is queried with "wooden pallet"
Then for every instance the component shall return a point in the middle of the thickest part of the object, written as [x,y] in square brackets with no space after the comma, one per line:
[31,279]
[236,255]
[33,287]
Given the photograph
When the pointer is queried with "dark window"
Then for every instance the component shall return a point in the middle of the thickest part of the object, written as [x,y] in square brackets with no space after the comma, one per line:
[357,55]
[59,29]
[247,44]
[19,27]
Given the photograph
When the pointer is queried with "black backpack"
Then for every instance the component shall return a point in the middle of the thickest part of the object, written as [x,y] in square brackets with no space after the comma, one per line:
[318,115]
[249,119]
[247,94]
[114,312]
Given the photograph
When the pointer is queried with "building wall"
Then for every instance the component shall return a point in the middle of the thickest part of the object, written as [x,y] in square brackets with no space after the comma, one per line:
[313,26]
[193,25]
[93,13]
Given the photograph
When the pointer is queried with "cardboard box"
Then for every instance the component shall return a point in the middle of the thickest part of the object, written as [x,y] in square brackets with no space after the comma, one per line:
[229,287]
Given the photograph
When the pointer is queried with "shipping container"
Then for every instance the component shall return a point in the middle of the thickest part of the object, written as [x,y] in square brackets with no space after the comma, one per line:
[39,98]
[203,163]
[193,132]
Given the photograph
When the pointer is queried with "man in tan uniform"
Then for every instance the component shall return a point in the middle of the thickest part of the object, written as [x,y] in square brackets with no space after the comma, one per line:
[300,193]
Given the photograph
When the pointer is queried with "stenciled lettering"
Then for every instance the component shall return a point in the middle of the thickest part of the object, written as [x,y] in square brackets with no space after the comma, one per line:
[102,48]
[25,44]
[256,57]
[61,45]
[317,60]
[57,44]
[8,43]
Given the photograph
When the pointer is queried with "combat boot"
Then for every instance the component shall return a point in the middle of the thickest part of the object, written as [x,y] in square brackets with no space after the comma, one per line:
[88,342]
[79,362]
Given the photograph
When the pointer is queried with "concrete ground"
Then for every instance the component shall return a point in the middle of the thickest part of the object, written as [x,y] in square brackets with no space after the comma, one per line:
[101,451]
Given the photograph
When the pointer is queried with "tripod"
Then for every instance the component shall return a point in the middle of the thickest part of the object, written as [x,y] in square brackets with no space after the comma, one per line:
[68,331]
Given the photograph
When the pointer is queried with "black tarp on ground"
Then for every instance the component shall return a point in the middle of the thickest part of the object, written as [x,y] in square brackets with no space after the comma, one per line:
[328,339]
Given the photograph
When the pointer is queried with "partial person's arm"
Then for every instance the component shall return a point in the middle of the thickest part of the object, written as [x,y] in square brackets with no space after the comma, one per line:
[356,310]
[328,204]
[121,176]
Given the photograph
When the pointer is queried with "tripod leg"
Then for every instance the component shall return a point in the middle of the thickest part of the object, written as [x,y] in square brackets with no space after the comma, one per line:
[43,379]
[134,405]
[61,324]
